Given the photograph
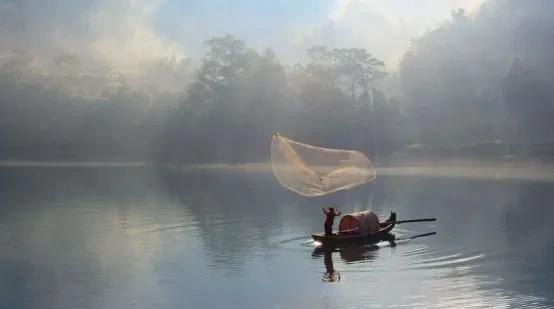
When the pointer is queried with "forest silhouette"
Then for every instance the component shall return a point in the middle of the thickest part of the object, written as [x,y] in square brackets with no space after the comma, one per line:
[478,85]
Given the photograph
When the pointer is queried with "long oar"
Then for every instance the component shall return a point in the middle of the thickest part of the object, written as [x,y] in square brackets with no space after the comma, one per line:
[423,235]
[415,236]
[417,220]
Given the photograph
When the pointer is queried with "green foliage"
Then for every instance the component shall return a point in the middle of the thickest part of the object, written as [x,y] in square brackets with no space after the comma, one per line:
[352,69]
[236,100]
[241,96]
[459,84]
[233,105]
[46,117]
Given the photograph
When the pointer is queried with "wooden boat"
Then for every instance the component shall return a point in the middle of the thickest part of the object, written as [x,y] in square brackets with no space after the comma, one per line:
[352,237]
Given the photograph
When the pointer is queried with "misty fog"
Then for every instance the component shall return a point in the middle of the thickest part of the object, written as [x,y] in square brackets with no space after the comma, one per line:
[140,165]
[478,84]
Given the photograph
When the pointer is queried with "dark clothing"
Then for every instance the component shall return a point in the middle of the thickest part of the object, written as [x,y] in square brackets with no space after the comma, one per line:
[329,220]
[328,229]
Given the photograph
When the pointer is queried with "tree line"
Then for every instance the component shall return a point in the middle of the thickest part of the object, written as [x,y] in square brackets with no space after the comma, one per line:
[241,96]
[474,85]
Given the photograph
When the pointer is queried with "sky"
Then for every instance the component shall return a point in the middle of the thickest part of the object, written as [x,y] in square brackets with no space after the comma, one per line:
[384,27]
[130,33]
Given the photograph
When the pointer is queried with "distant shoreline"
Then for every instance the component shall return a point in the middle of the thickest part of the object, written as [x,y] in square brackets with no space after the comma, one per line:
[393,163]
[33,163]
[529,170]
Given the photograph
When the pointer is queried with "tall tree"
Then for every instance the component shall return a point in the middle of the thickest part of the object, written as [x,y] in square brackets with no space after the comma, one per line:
[354,69]
[233,103]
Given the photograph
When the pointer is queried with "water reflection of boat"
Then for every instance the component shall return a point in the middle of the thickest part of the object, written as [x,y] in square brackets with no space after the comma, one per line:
[351,253]
[359,253]
[348,254]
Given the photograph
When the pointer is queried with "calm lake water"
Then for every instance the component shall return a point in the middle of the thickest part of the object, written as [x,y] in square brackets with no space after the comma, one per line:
[135,237]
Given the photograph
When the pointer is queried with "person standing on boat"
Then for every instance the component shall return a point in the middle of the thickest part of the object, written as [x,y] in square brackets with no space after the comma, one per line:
[330,215]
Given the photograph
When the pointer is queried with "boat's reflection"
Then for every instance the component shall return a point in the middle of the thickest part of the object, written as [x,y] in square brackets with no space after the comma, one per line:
[348,254]
[354,253]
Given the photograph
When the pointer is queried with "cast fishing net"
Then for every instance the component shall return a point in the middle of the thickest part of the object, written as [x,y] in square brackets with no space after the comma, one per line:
[314,171]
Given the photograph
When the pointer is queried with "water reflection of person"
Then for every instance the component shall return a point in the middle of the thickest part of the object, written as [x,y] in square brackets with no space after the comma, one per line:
[331,275]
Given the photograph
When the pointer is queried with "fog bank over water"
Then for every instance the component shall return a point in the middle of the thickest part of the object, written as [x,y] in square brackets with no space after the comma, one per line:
[464,169]
[136,155]
[114,81]
[531,171]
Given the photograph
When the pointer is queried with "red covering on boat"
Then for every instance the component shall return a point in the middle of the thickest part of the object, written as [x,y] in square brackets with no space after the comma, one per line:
[364,222]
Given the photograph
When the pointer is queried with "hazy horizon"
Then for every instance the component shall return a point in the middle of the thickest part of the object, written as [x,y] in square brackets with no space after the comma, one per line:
[140,80]
[141,167]
[130,36]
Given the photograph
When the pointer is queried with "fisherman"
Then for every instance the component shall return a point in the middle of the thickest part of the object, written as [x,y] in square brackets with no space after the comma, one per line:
[330,215]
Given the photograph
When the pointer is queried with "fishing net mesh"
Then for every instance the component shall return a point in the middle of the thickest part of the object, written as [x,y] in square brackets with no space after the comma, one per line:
[315,171]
